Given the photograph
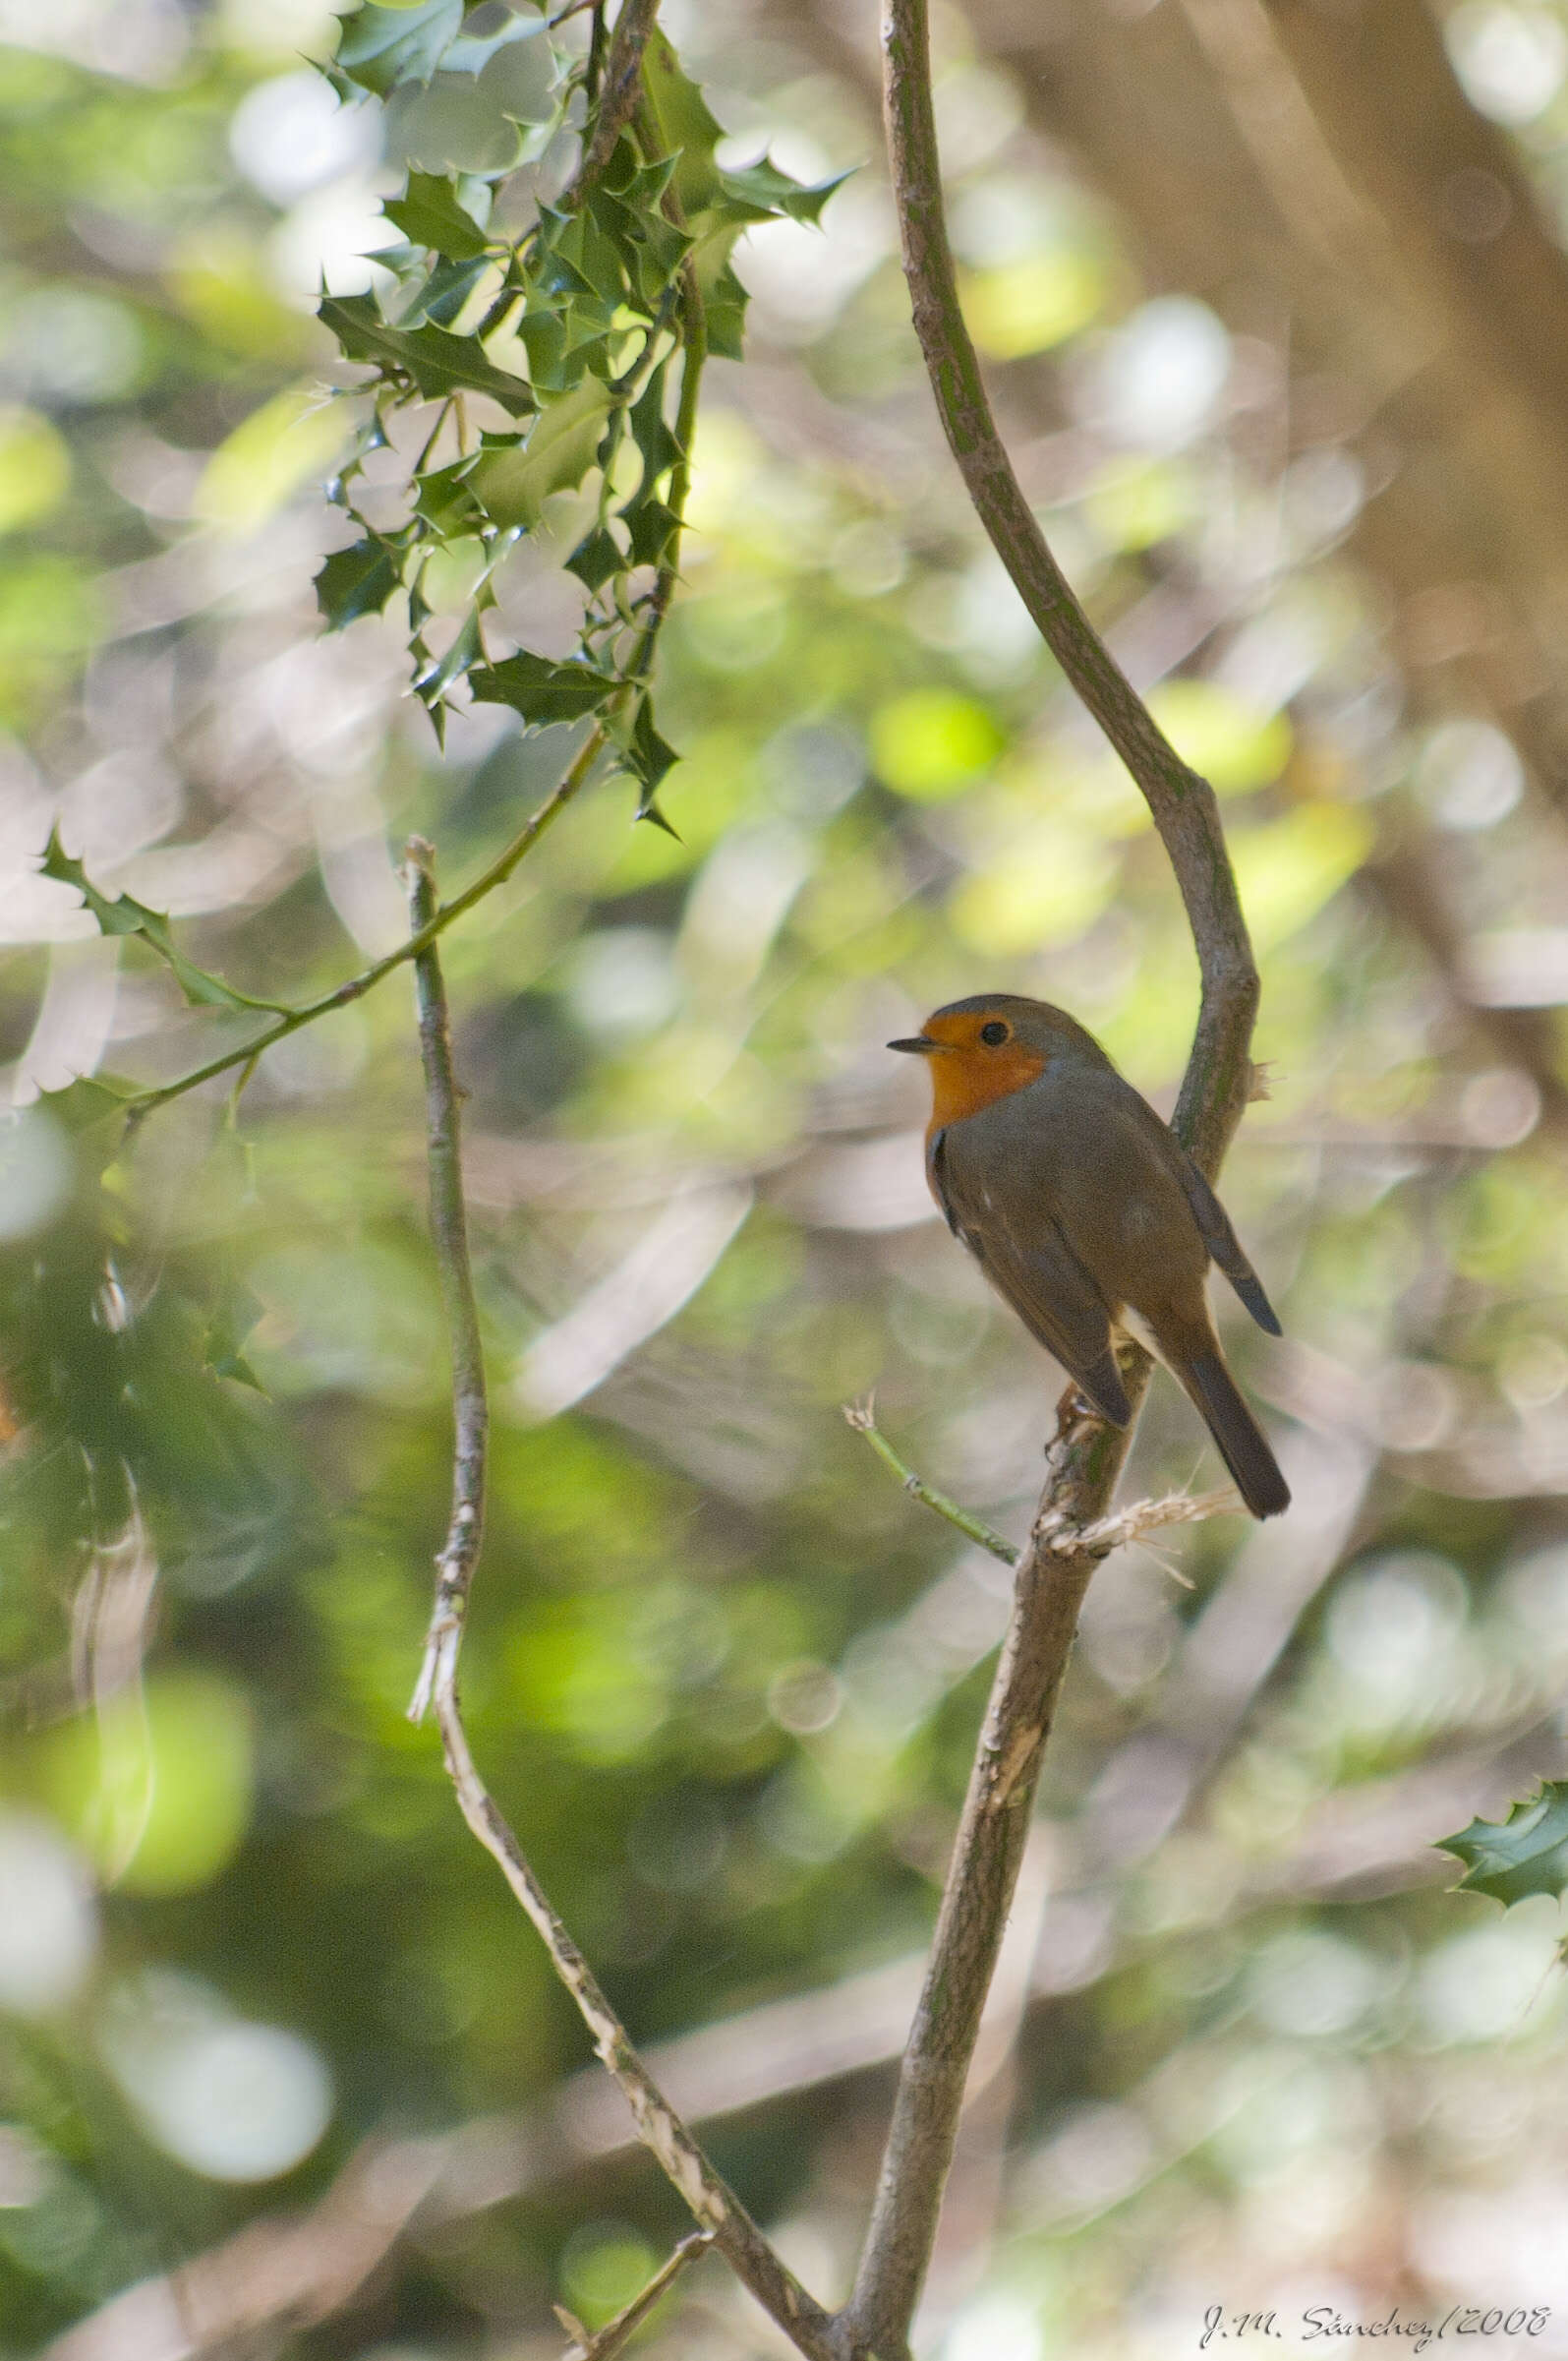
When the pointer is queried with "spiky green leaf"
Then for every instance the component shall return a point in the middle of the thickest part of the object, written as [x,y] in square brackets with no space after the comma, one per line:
[542,691]
[126,916]
[1526,1854]
[357,581]
[433,361]
[430,213]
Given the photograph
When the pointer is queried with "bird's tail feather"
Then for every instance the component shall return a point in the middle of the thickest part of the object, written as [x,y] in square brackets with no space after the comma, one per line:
[1241,1442]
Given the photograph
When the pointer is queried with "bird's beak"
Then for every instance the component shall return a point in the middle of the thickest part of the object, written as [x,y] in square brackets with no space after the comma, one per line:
[920,1045]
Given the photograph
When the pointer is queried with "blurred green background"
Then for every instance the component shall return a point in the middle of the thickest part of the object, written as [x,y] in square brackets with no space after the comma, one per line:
[1287,408]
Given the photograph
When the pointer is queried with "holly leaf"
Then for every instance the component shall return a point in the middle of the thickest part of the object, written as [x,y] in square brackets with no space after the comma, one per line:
[514,483]
[650,525]
[649,758]
[648,431]
[761,192]
[595,559]
[686,125]
[438,675]
[124,915]
[357,581]
[92,1110]
[443,500]
[380,47]
[1526,1854]
[433,360]
[91,1099]
[443,294]
[724,301]
[540,691]
[430,214]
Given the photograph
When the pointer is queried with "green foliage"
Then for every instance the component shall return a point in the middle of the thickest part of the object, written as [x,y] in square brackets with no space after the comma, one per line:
[592,307]
[1527,1854]
[724,1676]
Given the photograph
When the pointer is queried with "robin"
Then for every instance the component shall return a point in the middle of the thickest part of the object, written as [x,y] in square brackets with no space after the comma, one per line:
[1081,1206]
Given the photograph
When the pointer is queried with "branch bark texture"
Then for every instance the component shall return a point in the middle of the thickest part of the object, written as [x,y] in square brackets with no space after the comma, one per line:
[1069,1538]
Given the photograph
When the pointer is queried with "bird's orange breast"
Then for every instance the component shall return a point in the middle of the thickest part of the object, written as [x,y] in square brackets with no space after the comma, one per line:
[963,1082]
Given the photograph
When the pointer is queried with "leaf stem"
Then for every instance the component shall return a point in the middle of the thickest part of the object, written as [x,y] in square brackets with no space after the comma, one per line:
[144,1102]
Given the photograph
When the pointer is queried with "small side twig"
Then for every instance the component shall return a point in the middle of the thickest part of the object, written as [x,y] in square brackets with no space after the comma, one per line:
[863,1417]
[1055,1532]
[616,2335]
[713,2203]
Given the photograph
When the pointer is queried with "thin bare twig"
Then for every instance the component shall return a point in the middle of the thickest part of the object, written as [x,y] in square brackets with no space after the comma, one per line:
[465,1532]
[616,2335]
[715,2206]
[861,1416]
[1070,1534]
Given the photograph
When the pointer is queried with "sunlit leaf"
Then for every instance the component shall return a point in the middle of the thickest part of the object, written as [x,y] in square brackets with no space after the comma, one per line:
[430,358]
[34,468]
[380,47]
[430,213]
[1289,869]
[160,1785]
[1036,303]
[515,483]
[1053,883]
[291,440]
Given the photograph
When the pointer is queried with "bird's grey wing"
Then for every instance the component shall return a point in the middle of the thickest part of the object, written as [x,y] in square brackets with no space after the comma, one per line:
[1225,1249]
[1213,1222]
[1044,1281]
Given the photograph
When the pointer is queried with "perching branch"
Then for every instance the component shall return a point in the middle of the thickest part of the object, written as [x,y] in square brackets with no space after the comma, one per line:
[715,2206]
[1084,1460]
[1181,803]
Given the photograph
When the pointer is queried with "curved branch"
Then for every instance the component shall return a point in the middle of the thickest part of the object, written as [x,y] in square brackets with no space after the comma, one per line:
[1086,1457]
[1181,801]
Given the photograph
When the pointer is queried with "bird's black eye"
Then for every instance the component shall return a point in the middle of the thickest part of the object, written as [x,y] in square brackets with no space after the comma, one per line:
[994,1032]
